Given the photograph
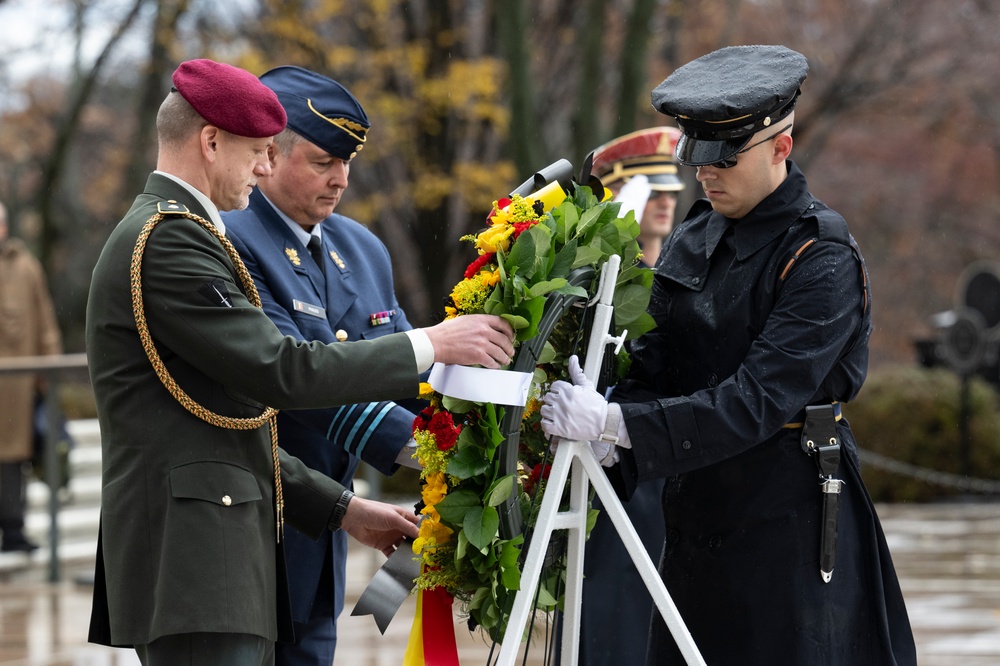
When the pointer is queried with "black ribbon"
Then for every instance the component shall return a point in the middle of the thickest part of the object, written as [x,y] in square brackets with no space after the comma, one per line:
[390,586]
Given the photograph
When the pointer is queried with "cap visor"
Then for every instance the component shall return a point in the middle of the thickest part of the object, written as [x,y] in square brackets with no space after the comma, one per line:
[665,182]
[699,152]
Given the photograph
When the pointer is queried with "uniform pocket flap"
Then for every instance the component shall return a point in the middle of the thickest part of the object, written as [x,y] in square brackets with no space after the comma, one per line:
[217,482]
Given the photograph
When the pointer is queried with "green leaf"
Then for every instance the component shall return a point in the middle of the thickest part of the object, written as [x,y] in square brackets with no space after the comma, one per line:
[458,406]
[495,305]
[523,254]
[630,303]
[567,218]
[634,273]
[545,286]
[467,463]
[492,425]
[588,222]
[570,290]
[547,354]
[531,310]
[592,515]
[516,321]
[644,324]
[545,599]
[586,256]
[478,597]
[510,574]
[461,546]
[481,525]
[500,490]
[563,262]
[456,506]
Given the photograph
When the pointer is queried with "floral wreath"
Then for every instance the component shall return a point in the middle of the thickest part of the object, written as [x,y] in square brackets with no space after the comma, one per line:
[526,252]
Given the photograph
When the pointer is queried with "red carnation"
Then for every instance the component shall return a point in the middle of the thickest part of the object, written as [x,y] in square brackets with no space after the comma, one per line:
[538,473]
[476,265]
[445,432]
[519,227]
[421,420]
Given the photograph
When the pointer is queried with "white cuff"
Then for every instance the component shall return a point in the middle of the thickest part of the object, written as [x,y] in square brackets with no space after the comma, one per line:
[405,456]
[423,350]
[615,415]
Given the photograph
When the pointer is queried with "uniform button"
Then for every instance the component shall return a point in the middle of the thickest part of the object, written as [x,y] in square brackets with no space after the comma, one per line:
[713,380]
[341,335]
[696,280]
[673,536]
[714,541]
[686,444]
[227,500]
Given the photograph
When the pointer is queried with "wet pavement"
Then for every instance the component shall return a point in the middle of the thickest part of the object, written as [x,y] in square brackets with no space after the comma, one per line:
[947,556]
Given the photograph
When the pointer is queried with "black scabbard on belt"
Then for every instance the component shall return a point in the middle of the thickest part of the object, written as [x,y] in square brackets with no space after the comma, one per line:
[819,439]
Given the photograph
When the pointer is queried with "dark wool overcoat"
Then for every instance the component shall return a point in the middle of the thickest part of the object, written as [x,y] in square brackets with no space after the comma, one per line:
[746,339]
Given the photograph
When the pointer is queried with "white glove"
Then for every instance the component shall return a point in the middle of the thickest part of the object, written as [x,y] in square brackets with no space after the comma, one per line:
[633,196]
[574,411]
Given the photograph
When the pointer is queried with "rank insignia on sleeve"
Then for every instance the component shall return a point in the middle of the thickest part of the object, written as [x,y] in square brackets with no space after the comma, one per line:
[379,318]
[293,256]
[337,260]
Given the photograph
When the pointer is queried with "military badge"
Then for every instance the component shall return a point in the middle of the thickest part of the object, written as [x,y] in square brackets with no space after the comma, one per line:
[293,256]
[379,318]
[337,260]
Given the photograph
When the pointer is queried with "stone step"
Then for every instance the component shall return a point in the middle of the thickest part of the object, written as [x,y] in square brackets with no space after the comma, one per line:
[79,511]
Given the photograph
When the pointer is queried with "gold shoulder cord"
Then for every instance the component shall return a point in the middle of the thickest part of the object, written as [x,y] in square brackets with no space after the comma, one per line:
[269,415]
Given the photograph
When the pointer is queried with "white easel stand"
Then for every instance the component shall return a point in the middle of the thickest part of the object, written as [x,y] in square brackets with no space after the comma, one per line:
[579,457]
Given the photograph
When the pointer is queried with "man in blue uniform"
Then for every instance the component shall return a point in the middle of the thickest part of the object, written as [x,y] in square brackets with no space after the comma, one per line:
[342,290]
[773,553]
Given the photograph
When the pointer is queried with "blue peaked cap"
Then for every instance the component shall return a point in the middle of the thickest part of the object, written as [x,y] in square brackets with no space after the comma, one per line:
[320,110]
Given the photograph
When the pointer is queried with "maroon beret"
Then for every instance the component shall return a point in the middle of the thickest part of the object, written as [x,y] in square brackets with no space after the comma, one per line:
[230,98]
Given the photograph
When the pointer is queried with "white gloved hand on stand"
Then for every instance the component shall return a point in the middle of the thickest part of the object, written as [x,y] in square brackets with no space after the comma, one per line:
[578,412]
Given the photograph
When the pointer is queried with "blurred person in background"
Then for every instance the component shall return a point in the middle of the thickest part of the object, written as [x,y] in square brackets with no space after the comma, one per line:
[28,327]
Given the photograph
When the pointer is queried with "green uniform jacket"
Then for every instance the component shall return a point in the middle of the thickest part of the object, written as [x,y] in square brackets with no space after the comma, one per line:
[187,518]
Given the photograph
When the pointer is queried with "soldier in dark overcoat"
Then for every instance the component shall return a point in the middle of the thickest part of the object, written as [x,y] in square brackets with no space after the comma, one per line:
[774,553]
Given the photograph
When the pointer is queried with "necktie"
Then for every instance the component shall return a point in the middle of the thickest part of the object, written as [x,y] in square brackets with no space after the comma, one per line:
[316,250]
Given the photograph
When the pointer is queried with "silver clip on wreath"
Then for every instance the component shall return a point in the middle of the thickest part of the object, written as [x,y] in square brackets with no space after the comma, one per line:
[527,251]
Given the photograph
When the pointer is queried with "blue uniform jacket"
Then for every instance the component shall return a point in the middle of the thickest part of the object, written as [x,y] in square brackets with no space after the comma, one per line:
[358,285]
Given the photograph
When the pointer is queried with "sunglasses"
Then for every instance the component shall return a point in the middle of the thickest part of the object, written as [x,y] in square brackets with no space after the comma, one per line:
[730,162]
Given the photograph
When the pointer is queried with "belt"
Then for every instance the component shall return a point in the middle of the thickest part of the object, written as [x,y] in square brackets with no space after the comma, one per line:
[799,419]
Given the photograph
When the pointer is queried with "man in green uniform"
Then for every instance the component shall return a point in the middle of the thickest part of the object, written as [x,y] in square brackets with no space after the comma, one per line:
[195,491]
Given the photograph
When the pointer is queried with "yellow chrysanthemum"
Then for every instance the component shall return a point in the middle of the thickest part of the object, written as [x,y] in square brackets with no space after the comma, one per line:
[426,391]
[435,488]
[432,534]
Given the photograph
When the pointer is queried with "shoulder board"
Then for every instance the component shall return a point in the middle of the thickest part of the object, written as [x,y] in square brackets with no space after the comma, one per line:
[831,226]
[171,207]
